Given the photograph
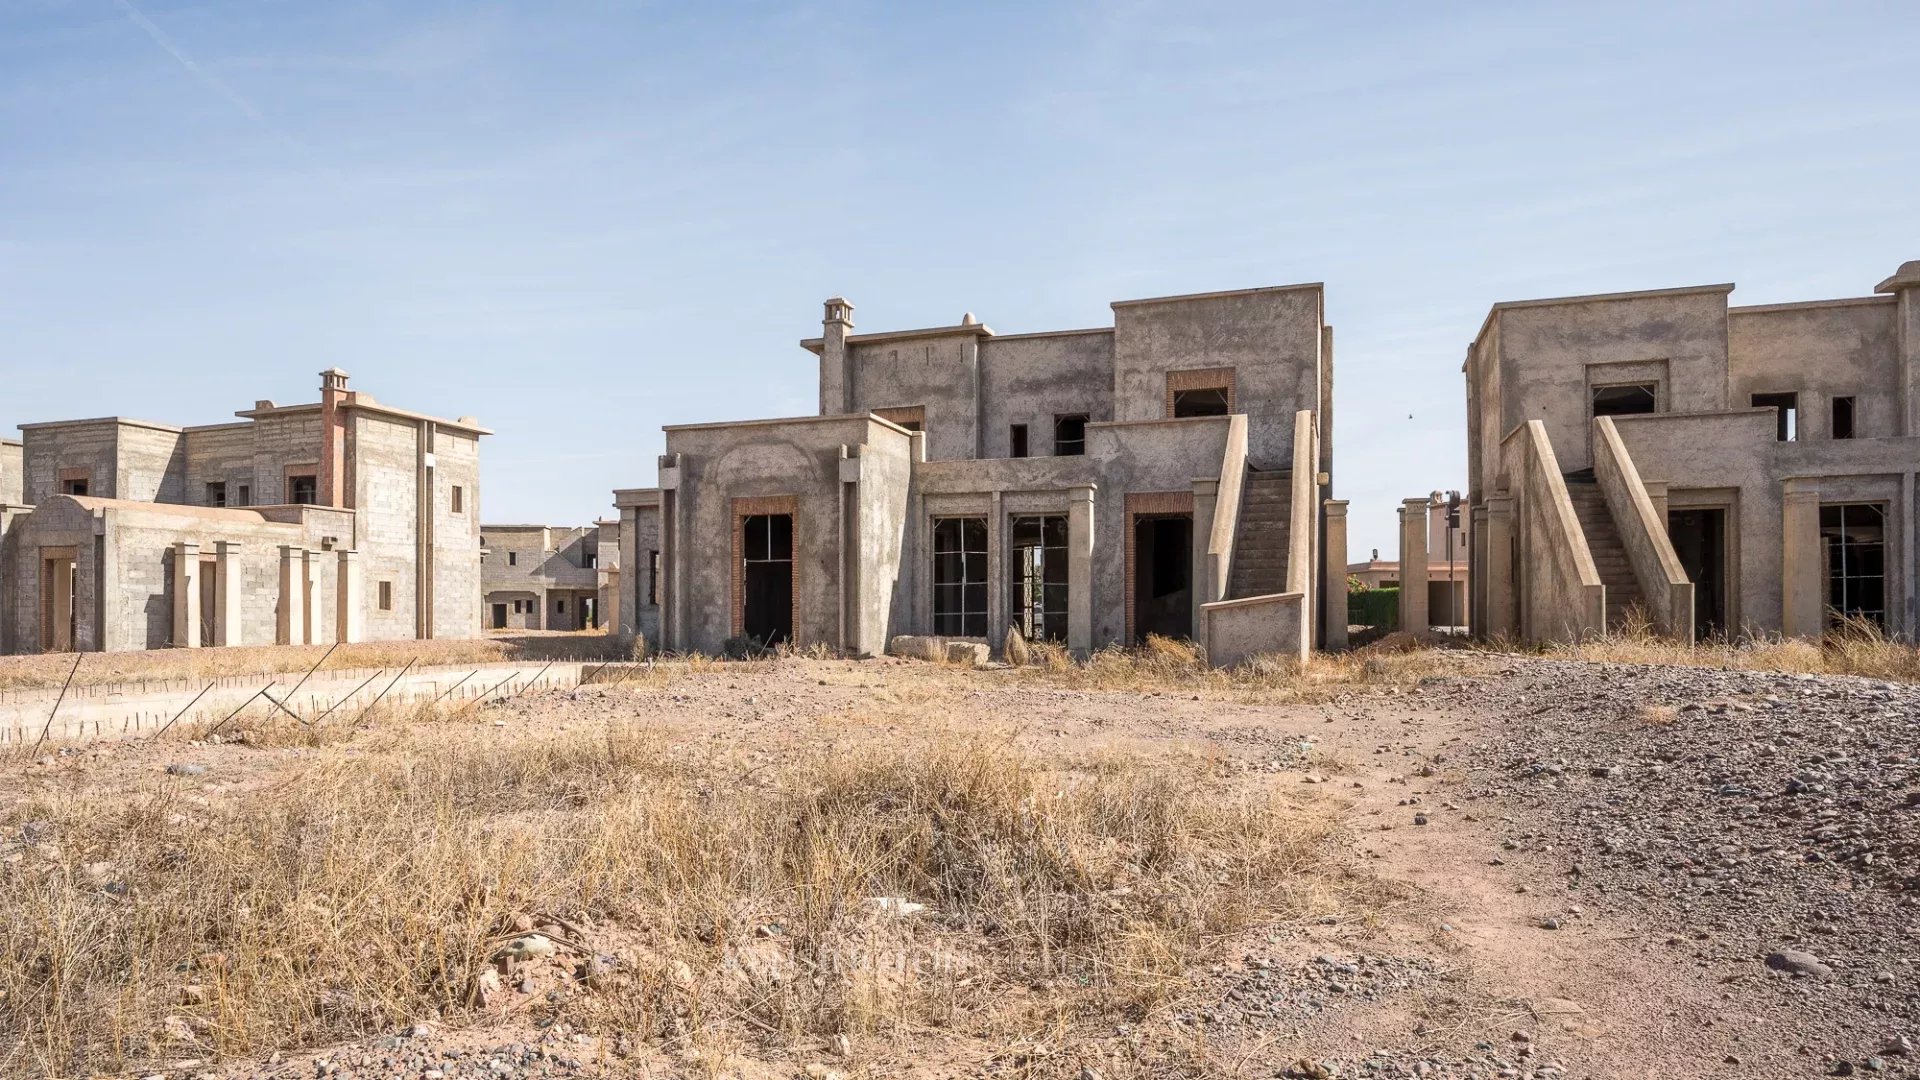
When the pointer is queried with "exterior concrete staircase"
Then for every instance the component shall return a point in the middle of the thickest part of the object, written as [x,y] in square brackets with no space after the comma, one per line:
[1603,541]
[1260,550]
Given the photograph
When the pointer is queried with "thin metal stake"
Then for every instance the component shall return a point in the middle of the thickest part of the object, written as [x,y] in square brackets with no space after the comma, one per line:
[455,686]
[349,697]
[304,678]
[383,693]
[183,712]
[236,712]
[56,701]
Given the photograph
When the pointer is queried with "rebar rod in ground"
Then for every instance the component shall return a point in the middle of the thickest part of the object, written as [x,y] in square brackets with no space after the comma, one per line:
[530,682]
[456,686]
[349,697]
[236,712]
[278,705]
[71,672]
[183,712]
[461,711]
[383,693]
[304,678]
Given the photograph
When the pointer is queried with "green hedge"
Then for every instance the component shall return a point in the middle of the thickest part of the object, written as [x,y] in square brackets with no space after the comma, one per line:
[1374,607]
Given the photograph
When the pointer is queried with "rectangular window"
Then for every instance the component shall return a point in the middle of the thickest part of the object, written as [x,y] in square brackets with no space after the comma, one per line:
[653,577]
[1632,400]
[73,487]
[590,559]
[1843,418]
[386,596]
[303,489]
[216,494]
[459,499]
[1017,441]
[560,606]
[1070,435]
[911,417]
[1786,413]
[1039,585]
[1856,539]
[513,558]
[960,577]
[1208,401]
[246,495]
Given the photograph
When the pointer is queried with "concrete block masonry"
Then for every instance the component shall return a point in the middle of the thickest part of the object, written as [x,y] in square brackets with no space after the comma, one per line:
[122,710]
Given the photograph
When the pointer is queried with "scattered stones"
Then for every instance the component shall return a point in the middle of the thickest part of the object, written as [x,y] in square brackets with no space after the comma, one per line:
[1795,962]
[186,768]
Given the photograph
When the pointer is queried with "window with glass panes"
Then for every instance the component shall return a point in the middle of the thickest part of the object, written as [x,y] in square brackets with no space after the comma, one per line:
[1856,537]
[960,577]
[1038,603]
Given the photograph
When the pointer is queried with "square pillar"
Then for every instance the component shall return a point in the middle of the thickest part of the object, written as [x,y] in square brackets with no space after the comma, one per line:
[1080,571]
[186,595]
[1208,585]
[349,610]
[226,593]
[291,623]
[1496,567]
[310,572]
[1413,567]
[1803,568]
[1333,560]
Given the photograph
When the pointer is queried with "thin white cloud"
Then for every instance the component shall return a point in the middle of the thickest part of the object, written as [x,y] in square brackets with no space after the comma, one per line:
[209,79]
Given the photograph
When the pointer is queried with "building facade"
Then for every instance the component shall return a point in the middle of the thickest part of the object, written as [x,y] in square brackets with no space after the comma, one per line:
[1709,469]
[1168,474]
[341,520]
[543,577]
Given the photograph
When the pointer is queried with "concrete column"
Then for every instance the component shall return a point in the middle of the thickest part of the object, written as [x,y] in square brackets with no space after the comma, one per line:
[1497,618]
[1080,571]
[1206,589]
[1803,560]
[1333,616]
[997,588]
[291,621]
[348,599]
[226,593]
[836,374]
[309,565]
[1413,567]
[186,595]
[1657,491]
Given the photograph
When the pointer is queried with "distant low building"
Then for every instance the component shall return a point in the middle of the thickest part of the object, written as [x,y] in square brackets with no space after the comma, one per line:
[544,577]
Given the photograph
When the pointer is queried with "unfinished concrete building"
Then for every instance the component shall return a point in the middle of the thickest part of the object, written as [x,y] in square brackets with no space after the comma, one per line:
[541,577]
[1167,474]
[1716,469]
[341,520]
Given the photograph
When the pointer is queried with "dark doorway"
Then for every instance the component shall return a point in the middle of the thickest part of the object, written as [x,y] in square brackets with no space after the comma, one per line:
[1856,539]
[1162,576]
[1070,434]
[209,583]
[768,579]
[1039,597]
[1624,400]
[1700,539]
[499,616]
[1211,401]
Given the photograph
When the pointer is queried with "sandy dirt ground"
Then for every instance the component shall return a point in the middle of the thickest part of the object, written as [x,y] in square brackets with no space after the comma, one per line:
[1477,954]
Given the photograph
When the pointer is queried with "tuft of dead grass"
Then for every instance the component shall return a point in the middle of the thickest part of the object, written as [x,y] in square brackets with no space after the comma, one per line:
[1853,647]
[1166,665]
[713,901]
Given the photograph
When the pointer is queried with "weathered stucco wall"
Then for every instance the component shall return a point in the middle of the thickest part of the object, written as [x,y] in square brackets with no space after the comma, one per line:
[1819,351]
[386,457]
[221,454]
[12,461]
[937,372]
[456,536]
[1272,338]
[87,445]
[1032,378]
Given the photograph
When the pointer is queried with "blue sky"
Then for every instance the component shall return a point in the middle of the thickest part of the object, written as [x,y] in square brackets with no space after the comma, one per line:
[579,221]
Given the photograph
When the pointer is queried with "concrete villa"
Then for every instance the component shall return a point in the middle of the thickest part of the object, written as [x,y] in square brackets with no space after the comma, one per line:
[547,577]
[342,520]
[1167,474]
[1717,469]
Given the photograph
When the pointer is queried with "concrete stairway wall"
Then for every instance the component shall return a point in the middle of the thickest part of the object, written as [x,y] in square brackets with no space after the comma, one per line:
[1260,550]
[1603,541]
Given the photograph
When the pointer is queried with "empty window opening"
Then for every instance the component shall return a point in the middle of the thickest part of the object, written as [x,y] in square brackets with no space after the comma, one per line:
[1039,564]
[1162,576]
[77,486]
[513,558]
[216,494]
[1855,535]
[767,615]
[1700,539]
[1843,418]
[960,577]
[911,417]
[1786,413]
[1631,400]
[653,577]
[1017,441]
[590,559]
[1208,401]
[459,499]
[560,607]
[499,616]
[386,596]
[1070,435]
[303,489]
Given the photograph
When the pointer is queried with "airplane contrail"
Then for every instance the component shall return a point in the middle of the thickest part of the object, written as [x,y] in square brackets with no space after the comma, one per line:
[212,81]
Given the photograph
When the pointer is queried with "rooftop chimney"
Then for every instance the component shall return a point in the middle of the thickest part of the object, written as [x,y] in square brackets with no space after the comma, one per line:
[333,438]
[836,371]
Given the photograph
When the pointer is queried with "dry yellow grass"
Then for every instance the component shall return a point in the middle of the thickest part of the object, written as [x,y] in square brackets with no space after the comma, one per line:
[370,888]
[1166,665]
[50,669]
[1856,647]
